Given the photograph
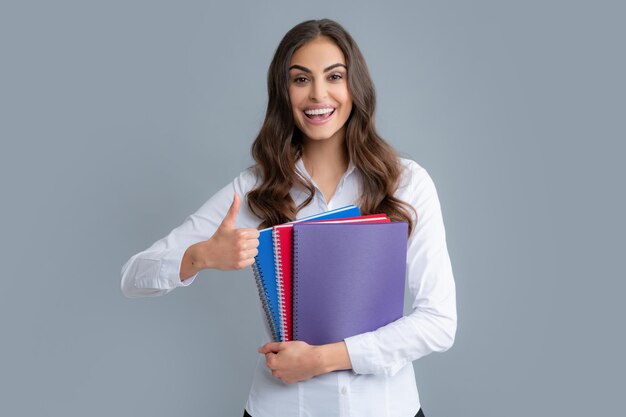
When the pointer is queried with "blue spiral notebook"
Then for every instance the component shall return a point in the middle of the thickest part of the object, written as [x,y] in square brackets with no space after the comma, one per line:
[264,267]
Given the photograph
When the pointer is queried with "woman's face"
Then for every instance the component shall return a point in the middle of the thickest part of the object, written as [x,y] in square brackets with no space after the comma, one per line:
[318,90]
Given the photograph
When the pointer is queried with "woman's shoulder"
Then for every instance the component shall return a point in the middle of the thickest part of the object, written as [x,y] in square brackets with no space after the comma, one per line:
[409,163]
[411,170]
[415,181]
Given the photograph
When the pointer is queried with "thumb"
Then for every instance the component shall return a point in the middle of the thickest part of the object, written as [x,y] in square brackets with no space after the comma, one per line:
[229,220]
[272,347]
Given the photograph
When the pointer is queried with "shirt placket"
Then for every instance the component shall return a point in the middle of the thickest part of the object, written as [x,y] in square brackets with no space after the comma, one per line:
[343,388]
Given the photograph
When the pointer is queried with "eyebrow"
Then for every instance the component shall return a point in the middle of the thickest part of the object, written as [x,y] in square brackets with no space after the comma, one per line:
[305,69]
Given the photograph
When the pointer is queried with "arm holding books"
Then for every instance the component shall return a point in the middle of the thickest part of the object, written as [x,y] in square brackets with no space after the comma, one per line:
[431,325]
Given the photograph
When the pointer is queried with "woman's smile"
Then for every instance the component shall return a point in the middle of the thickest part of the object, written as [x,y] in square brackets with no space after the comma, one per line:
[319,116]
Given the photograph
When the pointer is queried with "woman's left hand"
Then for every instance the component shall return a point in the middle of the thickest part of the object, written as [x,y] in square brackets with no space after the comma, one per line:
[293,361]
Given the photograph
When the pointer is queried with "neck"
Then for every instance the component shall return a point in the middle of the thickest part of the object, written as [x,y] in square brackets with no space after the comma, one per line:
[328,156]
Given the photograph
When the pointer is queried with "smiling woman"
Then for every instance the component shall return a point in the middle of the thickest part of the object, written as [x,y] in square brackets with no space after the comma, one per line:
[318,150]
[318,66]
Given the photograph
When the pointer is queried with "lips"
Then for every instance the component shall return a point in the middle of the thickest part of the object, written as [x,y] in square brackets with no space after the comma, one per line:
[319,119]
[319,116]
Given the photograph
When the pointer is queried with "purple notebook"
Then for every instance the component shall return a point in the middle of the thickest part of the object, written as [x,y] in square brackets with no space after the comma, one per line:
[347,278]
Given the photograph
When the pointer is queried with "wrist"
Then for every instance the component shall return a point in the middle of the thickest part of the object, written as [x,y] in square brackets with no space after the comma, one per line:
[334,357]
[199,255]
[190,265]
[199,252]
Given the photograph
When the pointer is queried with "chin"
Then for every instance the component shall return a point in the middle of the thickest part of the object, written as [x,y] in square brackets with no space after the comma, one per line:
[319,134]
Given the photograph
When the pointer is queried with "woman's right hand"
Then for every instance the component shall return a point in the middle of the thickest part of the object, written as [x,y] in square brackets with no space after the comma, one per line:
[229,248]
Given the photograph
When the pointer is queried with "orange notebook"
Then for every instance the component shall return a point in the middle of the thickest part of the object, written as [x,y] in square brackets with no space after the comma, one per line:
[283,256]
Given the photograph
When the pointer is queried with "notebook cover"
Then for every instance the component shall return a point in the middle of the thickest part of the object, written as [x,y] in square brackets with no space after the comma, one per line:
[283,249]
[282,254]
[347,279]
[264,267]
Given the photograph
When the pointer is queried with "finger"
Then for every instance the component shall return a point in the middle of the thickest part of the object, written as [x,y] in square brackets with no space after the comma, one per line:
[263,349]
[250,245]
[248,249]
[269,347]
[245,239]
[229,220]
[270,361]
[249,233]
[244,263]
[278,346]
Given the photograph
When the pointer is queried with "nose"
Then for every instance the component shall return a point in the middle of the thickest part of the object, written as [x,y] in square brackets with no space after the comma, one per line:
[318,90]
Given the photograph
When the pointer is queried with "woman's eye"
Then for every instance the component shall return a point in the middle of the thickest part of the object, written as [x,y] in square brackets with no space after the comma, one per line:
[336,77]
[299,80]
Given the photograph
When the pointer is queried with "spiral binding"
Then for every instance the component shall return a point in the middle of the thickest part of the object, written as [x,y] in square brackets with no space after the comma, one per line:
[294,285]
[280,288]
[264,296]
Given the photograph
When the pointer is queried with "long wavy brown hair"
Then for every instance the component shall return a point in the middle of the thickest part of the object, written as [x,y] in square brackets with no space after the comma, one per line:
[279,143]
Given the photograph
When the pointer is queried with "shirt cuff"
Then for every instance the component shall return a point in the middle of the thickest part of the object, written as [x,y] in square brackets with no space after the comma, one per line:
[364,357]
[163,273]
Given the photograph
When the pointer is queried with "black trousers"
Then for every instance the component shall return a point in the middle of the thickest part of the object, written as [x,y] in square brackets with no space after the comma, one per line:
[420,413]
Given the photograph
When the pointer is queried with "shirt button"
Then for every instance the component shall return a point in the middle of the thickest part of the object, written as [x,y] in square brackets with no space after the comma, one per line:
[344,390]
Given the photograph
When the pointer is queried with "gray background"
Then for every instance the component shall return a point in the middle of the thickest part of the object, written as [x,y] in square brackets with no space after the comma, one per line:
[120,118]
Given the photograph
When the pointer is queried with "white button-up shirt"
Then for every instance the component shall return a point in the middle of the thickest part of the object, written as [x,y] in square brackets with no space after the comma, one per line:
[381,382]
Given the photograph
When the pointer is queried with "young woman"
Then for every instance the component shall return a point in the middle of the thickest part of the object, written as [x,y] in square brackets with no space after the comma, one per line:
[318,150]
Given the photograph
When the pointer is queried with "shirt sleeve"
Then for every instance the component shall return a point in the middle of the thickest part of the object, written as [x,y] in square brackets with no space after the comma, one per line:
[431,325]
[156,270]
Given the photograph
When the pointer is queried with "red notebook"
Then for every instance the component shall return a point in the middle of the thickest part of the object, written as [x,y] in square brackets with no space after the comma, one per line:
[283,256]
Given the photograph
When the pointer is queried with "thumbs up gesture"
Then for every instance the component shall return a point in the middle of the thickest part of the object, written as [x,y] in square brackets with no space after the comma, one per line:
[229,248]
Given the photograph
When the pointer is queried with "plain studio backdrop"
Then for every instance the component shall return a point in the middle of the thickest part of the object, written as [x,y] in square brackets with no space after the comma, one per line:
[121,118]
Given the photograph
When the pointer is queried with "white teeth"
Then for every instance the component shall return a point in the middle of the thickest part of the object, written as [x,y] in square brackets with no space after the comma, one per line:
[319,111]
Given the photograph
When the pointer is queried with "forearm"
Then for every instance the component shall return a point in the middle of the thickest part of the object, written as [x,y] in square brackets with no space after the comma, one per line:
[388,349]
[334,356]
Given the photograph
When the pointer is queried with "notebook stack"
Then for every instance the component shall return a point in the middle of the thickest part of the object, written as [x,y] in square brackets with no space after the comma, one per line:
[332,275]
